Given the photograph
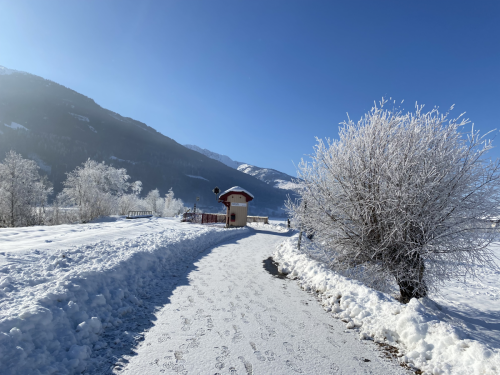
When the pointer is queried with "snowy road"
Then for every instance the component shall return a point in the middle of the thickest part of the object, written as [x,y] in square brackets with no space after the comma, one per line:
[228,315]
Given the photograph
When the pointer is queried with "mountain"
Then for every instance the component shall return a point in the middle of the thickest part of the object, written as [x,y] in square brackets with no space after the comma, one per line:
[270,176]
[213,155]
[60,129]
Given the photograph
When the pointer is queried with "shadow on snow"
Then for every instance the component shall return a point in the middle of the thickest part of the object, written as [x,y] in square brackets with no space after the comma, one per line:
[127,337]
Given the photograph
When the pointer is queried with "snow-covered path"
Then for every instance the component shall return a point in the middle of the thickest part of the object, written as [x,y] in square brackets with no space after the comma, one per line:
[228,315]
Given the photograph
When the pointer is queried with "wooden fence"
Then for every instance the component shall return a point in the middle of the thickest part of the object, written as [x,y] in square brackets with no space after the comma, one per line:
[218,218]
[203,218]
[139,214]
[258,219]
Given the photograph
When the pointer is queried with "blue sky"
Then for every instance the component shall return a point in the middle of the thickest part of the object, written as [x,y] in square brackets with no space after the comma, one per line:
[283,71]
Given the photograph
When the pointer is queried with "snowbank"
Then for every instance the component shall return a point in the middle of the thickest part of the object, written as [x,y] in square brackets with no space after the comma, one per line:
[427,342]
[272,226]
[54,305]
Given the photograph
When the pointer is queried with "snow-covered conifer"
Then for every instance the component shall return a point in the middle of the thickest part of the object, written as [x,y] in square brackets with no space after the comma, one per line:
[407,195]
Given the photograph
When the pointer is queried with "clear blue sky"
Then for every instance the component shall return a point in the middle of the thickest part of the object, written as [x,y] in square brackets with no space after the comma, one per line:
[284,71]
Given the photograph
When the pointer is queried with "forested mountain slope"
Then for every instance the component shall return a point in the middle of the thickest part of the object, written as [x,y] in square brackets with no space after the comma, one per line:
[61,128]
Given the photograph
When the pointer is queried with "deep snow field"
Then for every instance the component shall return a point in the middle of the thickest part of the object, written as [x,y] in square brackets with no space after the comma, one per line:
[454,332]
[78,297]
[62,286]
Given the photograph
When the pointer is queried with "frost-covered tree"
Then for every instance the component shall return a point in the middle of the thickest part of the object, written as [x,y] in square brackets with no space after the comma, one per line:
[407,195]
[94,188]
[172,205]
[131,202]
[154,202]
[168,206]
[23,192]
[136,187]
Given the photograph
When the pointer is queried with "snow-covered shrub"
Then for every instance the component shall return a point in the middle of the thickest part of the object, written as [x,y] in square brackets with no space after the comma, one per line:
[59,214]
[95,189]
[168,206]
[154,202]
[131,202]
[408,195]
[23,192]
[172,206]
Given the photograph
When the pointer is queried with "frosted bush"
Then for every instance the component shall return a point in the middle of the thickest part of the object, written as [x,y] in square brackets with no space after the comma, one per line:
[23,192]
[408,196]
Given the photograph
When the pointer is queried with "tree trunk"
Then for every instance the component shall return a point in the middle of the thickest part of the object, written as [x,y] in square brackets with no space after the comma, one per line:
[410,278]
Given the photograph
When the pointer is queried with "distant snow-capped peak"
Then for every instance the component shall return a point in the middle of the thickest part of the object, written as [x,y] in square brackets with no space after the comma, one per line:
[270,176]
[213,155]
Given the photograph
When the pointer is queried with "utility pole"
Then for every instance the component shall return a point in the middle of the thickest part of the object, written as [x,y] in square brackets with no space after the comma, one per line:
[216,191]
[197,199]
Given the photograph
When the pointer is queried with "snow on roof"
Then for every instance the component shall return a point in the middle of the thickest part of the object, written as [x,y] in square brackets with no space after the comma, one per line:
[236,189]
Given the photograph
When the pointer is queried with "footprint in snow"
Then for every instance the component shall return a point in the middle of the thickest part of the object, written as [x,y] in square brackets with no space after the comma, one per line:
[210,324]
[335,370]
[244,319]
[164,337]
[248,365]
[293,366]
[186,324]
[271,331]
[238,336]
[259,356]
[332,342]
[270,355]
[179,369]
[193,343]
[219,365]
[288,347]
[225,351]
[230,319]
[169,365]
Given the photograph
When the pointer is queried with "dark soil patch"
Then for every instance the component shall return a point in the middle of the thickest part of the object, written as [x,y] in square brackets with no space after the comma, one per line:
[391,352]
[272,267]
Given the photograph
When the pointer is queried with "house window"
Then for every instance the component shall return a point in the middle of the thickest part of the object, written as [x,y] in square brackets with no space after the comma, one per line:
[233,217]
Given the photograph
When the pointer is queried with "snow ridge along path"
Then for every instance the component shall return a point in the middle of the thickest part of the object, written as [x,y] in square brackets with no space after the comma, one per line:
[70,302]
[233,317]
[419,328]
